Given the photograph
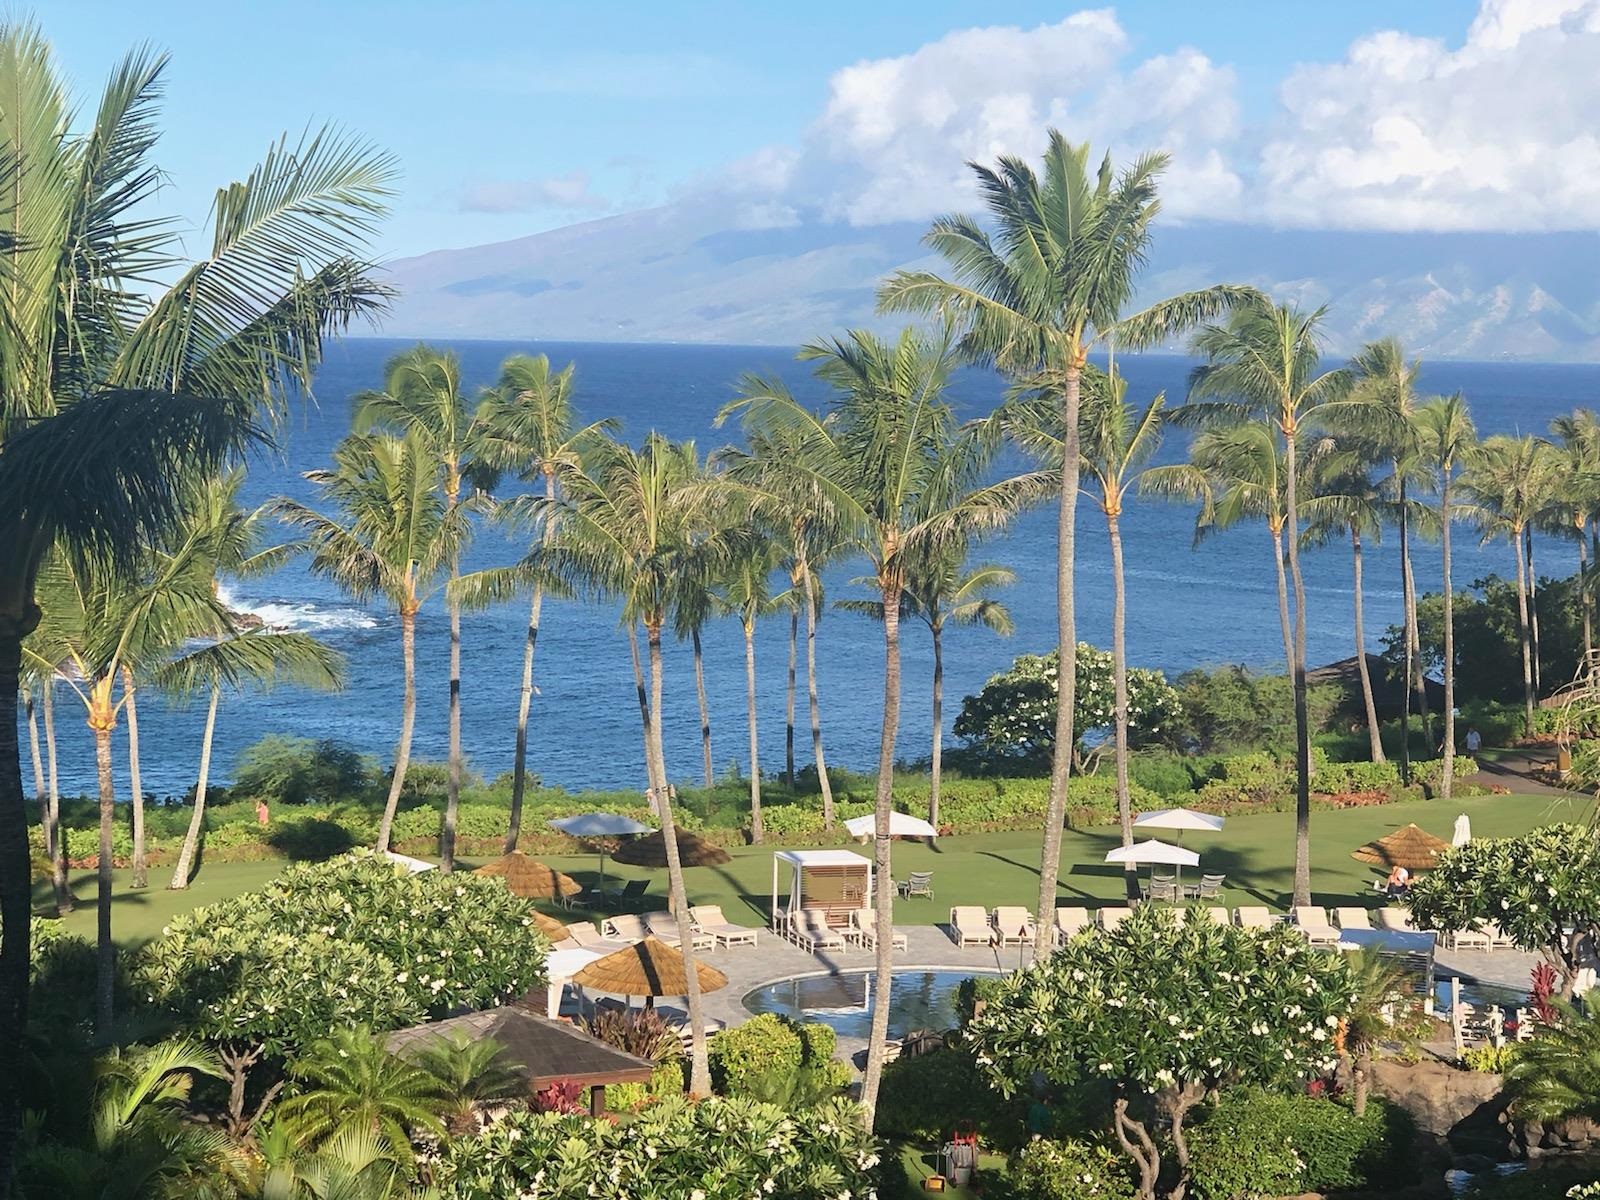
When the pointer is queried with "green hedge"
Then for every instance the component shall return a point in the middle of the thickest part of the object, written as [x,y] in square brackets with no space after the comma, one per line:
[923,1097]
[1069,1170]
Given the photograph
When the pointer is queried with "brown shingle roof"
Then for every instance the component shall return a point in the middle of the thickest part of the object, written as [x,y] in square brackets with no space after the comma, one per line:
[543,1050]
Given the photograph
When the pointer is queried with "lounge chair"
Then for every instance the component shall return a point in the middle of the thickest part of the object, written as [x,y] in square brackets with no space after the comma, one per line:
[969,926]
[1470,939]
[1110,918]
[1353,918]
[708,918]
[633,889]
[1201,913]
[1396,919]
[1498,938]
[677,1020]
[1161,890]
[918,883]
[1013,925]
[589,938]
[864,930]
[812,932]
[1209,888]
[1253,916]
[1071,921]
[1313,922]
[663,926]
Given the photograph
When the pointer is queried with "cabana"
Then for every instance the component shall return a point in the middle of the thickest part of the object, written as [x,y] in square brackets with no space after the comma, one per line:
[560,966]
[830,883]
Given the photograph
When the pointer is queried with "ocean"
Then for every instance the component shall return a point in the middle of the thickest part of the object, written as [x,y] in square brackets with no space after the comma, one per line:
[1187,606]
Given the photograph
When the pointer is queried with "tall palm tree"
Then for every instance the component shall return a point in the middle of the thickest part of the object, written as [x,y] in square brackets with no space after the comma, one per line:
[46,792]
[422,397]
[746,593]
[692,607]
[1263,366]
[529,429]
[390,534]
[1510,485]
[1579,432]
[1116,441]
[124,386]
[885,463]
[633,521]
[1447,441]
[1033,298]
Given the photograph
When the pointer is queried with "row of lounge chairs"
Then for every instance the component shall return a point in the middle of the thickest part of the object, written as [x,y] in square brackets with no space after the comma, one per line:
[1008,925]
[809,929]
[709,930]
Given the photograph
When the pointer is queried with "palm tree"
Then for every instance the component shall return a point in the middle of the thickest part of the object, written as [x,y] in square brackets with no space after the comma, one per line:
[44,773]
[1263,366]
[1510,484]
[885,464]
[527,428]
[1115,442]
[470,1073]
[352,1165]
[1579,432]
[691,609]
[422,397]
[746,593]
[1034,298]
[1553,1077]
[1446,441]
[633,523]
[391,535]
[1382,992]
[125,386]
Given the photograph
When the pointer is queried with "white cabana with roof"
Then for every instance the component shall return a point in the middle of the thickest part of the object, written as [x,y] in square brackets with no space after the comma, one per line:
[560,966]
[828,882]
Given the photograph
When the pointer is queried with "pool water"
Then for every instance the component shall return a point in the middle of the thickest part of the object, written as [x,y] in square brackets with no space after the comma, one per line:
[918,1000]
[1478,994]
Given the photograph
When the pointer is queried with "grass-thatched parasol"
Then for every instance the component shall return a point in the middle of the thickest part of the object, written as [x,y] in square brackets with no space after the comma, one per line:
[647,968]
[530,878]
[1409,847]
[550,927]
[651,851]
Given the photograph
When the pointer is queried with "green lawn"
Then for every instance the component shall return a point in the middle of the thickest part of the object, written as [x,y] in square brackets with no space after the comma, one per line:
[1256,852]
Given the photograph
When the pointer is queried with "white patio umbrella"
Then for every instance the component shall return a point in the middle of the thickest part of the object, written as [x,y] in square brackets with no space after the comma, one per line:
[1153,852]
[1181,819]
[599,824]
[900,825]
[1463,831]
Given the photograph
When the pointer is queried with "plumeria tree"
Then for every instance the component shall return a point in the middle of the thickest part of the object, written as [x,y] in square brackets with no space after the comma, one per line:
[1014,714]
[1165,1012]
[1542,889]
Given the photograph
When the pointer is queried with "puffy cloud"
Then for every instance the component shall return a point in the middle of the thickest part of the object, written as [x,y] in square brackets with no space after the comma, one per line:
[1407,133]
[569,193]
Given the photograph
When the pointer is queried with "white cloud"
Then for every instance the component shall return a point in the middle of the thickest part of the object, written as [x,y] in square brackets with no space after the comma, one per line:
[1407,133]
[569,193]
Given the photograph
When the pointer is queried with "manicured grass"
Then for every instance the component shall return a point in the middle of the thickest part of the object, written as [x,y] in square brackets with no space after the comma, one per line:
[1256,852]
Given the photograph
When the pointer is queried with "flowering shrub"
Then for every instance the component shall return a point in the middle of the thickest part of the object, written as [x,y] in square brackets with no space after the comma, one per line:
[1537,887]
[1051,1170]
[714,1150]
[1165,1012]
[564,1096]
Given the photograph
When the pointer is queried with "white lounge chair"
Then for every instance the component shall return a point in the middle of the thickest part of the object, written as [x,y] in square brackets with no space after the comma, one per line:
[1071,921]
[630,928]
[708,918]
[1014,925]
[1396,919]
[1253,916]
[812,932]
[663,926]
[1470,939]
[864,930]
[584,934]
[1313,922]
[1353,918]
[1498,938]
[1110,918]
[969,926]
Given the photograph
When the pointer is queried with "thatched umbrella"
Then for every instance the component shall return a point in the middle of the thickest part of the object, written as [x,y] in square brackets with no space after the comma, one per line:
[1409,847]
[530,878]
[647,968]
[550,927]
[693,851]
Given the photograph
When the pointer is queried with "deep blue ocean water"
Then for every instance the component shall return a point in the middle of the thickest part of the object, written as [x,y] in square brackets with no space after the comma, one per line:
[1186,606]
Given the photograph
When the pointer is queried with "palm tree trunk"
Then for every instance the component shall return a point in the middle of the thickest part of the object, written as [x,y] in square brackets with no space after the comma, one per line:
[141,872]
[15,891]
[1407,603]
[408,719]
[1585,598]
[53,834]
[756,832]
[1067,636]
[1522,634]
[1447,769]
[938,725]
[705,709]
[1374,730]
[1119,677]
[883,877]
[644,717]
[197,820]
[1419,680]
[788,703]
[105,952]
[1302,723]
[700,1066]
[1533,614]
[811,688]
[452,791]
[519,762]
[1283,599]
[41,798]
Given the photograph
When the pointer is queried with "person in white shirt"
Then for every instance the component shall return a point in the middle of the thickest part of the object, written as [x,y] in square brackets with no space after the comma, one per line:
[1474,740]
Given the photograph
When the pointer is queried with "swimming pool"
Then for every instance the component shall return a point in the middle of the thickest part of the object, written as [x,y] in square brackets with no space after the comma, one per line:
[917,1000]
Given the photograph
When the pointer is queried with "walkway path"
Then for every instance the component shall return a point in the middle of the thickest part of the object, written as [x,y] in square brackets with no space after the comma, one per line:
[1515,769]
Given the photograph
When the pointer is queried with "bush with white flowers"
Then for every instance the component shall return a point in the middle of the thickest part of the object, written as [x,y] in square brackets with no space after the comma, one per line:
[1542,889]
[1164,1012]
[717,1149]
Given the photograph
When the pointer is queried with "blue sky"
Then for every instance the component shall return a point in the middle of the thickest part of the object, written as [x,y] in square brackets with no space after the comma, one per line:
[511,118]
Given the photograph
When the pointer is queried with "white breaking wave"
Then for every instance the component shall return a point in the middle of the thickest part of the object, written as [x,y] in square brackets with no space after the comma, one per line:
[301,617]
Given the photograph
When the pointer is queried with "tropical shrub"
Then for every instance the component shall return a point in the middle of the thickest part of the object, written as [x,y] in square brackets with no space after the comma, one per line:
[973,989]
[925,1096]
[1165,1012]
[1069,1170]
[1232,708]
[1256,1143]
[1556,1075]
[296,770]
[1489,1059]
[1429,774]
[1537,887]
[641,1033]
[718,1149]
[749,1058]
